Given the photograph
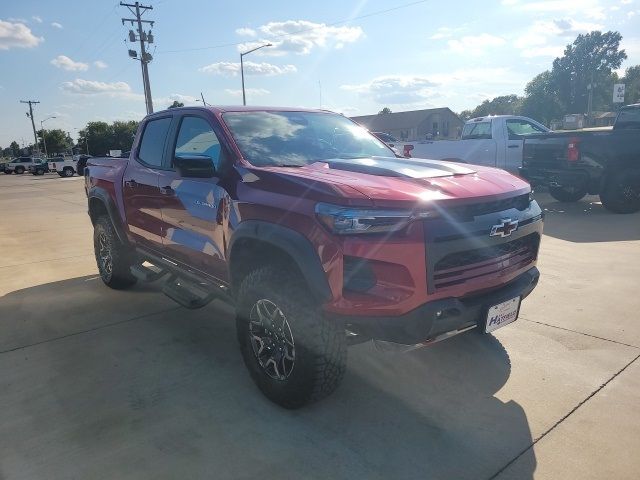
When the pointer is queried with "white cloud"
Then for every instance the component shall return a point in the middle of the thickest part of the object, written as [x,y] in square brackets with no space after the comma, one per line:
[100,64]
[626,2]
[37,19]
[253,92]
[17,35]
[65,63]
[547,38]
[57,25]
[301,37]
[395,89]
[250,68]
[509,2]
[475,44]
[247,32]
[442,32]
[92,87]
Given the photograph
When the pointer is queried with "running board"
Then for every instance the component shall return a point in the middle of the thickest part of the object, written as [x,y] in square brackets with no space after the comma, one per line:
[147,274]
[188,294]
[186,287]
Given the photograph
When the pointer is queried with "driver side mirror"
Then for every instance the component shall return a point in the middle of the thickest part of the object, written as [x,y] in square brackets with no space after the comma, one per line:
[195,166]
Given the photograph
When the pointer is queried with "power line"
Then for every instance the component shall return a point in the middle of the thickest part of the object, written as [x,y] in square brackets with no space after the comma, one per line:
[304,30]
[33,123]
[144,38]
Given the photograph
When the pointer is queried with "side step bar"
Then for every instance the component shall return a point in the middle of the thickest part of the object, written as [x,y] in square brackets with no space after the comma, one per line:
[183,286]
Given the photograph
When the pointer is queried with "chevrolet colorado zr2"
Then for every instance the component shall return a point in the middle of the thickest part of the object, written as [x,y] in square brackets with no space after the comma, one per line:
[316,231]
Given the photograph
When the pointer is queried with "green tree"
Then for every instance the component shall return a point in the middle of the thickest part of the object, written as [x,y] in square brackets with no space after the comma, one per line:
[384,111]
[98,136]
[631,80]
[541,101]
[176,104]
[57,141]
[589,60]
[15,148]
[123,134]
[503,105]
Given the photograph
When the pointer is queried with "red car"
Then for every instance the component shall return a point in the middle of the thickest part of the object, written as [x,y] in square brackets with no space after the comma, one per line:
[318,234]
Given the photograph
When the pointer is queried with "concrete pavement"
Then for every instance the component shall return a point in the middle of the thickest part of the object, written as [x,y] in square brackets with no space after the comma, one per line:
[96,383]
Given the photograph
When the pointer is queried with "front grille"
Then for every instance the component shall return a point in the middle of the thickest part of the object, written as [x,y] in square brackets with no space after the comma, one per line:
[459,267]
[467,212]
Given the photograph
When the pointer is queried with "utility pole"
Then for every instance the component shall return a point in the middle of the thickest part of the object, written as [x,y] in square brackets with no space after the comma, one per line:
[143,37]
[33,123]
[244,97]
[590,102]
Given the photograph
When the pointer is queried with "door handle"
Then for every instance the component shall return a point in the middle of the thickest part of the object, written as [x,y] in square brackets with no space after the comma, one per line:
[167,191]
[131,183]
[513,146]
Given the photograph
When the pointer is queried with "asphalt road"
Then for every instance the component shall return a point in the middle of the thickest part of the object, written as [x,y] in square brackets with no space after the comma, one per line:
[96,383]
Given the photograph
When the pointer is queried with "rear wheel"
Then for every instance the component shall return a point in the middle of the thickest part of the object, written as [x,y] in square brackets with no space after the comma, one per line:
[294,355]
[67,172]
[40,171]
[8,172]
[567,194]
[621,192]
[113,258]
[19,170]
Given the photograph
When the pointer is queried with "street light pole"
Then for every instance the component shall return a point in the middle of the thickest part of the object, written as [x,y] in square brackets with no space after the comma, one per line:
[244,97]
[44,140]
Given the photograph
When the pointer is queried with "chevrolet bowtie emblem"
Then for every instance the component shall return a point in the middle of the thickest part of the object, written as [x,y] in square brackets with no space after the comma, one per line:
[505,228]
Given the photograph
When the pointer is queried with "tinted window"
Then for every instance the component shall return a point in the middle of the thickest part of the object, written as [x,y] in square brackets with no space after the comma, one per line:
[152,143]
[628,118]
[522,127]
[300,138]
[477,130]
[196,137]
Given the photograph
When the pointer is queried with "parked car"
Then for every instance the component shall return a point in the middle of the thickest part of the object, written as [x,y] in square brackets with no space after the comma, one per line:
[20,165]
[65,167]
[605,163]
[39,167]
[494,141]
[318,234]
[81,162]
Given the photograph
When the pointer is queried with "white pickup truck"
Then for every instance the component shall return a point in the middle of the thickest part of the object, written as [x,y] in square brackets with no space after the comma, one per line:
[494,141]
[65,167]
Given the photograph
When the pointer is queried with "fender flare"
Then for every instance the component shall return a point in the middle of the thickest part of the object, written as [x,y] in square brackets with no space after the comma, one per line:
[103,196]
[292,243]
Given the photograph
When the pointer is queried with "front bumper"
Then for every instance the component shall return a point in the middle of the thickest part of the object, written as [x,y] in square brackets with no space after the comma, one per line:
[433,319]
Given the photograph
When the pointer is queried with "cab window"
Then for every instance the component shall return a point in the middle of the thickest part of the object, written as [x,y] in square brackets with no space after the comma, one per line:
[518,127]
[196,137]
[153,139]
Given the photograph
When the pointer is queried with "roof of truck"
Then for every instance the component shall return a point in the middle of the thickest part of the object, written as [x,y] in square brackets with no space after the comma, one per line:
[253,108]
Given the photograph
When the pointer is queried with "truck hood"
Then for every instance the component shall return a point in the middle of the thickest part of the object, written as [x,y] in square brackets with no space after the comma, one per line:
[388,181]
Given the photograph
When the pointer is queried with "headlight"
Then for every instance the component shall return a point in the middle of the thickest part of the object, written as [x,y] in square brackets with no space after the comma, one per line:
[349,220]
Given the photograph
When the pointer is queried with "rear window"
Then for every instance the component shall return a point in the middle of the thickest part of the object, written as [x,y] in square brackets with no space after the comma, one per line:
[628,118]
[477,130]
[153,140]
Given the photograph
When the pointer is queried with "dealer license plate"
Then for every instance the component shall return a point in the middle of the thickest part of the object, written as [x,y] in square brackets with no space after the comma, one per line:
[502,314]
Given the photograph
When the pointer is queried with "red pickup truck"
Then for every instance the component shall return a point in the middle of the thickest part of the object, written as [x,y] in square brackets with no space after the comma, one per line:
[317,232]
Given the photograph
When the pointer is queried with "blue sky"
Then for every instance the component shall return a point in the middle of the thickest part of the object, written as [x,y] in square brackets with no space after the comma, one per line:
[363,55]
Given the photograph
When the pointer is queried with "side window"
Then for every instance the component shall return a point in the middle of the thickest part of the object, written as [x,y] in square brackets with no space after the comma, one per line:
[196,137]
[153,139]
[477,130]
[516,128]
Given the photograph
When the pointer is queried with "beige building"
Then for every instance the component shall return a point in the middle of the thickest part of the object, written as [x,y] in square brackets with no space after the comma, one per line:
[440,123]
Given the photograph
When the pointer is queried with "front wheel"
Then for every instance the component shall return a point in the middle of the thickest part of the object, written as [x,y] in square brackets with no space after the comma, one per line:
[113,258]
[294,355]
[40,172]
[621,192]
[19,170]
[7,172]
[567,194]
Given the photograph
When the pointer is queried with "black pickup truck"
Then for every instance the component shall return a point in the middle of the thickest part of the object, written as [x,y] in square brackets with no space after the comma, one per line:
[574,164]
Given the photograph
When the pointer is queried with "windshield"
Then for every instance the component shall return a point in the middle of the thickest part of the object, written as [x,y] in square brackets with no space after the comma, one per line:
[300,138]
[477,130]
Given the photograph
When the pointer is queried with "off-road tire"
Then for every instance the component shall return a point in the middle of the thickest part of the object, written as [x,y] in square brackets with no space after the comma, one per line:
[19,170]
[567,194]
[621,192]
[118,276]
[39,171]
[67,172]
[320,343]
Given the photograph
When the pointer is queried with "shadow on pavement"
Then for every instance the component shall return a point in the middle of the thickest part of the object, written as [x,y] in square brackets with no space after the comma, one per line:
[167,395]
[586,221]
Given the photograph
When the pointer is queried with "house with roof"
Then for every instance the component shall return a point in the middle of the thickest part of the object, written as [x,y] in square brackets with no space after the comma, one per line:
[436,123]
